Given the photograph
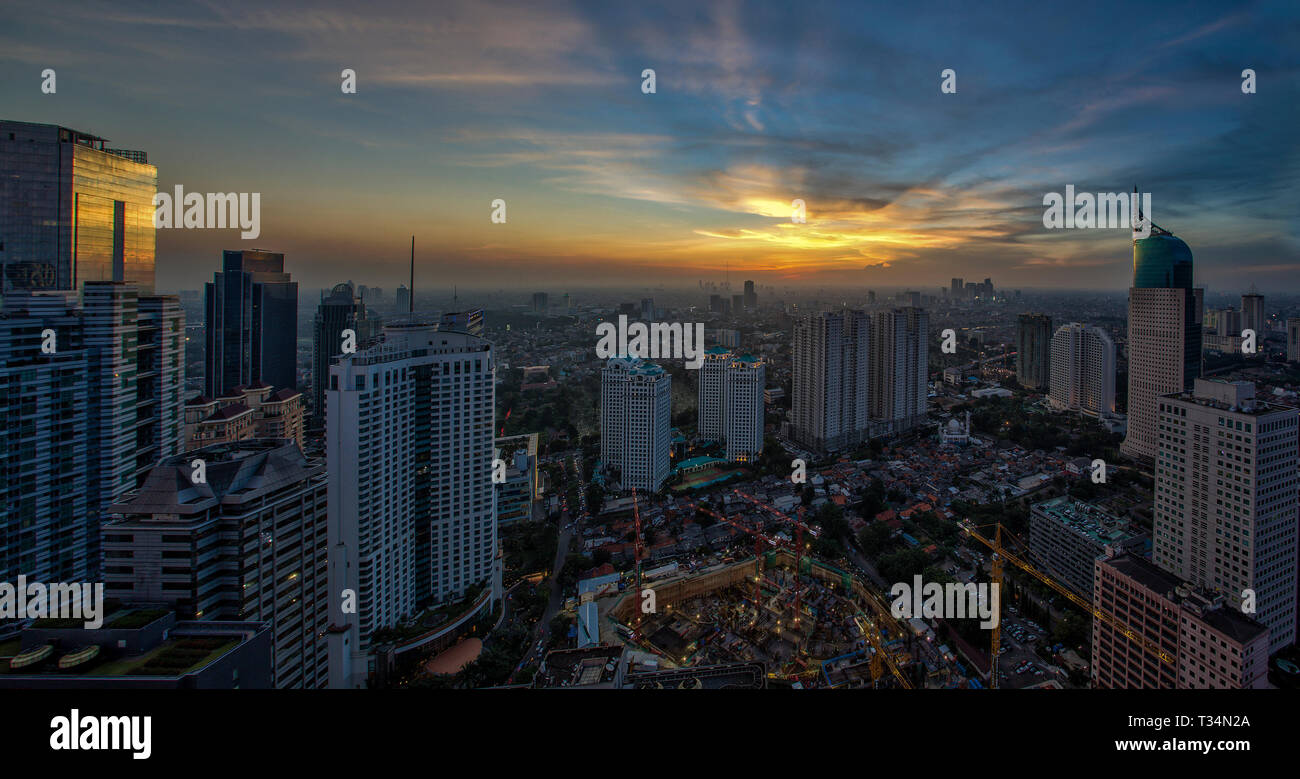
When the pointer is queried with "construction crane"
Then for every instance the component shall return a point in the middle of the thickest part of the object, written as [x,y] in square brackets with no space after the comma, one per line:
[871,631]
[1000,553]
[638,550]
[759,539]
[869,628]
[800,527]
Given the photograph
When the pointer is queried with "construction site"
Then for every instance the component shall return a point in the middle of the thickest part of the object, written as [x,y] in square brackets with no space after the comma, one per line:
[808,622]
[818,628]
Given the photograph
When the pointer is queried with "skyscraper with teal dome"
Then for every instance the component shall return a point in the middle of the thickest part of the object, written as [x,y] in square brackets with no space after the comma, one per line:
[1164,334]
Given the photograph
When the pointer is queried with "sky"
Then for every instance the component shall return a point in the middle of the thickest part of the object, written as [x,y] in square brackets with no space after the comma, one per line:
[541,104]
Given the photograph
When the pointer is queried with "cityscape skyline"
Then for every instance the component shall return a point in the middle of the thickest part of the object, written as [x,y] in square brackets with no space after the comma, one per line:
[607,185]
[822,347]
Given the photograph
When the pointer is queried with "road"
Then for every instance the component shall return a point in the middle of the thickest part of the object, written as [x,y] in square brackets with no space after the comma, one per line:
[568,526]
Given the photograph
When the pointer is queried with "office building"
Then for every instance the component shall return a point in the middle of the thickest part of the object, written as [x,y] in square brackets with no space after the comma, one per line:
[1066,536]
[409,442]
[540,302]
[900,364]
[84,418]
[723,337]
[1205,643]
[341,310]
[1082,376]
[1293,339]
[635,423]
[1033,350]
[751,297]
[1227,321]
[829,408]
[1164,335]
[403,299]
[515,493]
[73,210]
[1226,498]
[247,543]
[648,310]
[1252,314]
[251,309]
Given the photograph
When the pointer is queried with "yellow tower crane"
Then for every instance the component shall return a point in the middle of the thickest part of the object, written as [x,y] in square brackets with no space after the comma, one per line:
[1000,553]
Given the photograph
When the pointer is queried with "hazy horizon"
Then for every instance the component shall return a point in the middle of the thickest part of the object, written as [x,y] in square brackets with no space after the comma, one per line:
[606,186]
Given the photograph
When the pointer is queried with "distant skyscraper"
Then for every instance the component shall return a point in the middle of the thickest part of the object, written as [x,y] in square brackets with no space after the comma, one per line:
[1228,322]
[263,506]
[717,304]
[647,309]
[829,409]
[737,304]
[540,302]
[403,299]
[72,210]
[340,310]
[751,297]
[635,422]
[1226,498]
[82,423]
[900,364]
[723,337]
[1164,335]
[252,323]
[411,502]
[1293,339]
[711,407]
[1212,646]
[957,289]
[1252,314]
[1083,370]
[743,415]
[1033,350]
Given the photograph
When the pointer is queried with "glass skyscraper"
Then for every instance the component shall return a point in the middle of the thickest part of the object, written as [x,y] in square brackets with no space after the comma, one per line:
[340,310]
[251,309]
[83,424]
[73,210]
